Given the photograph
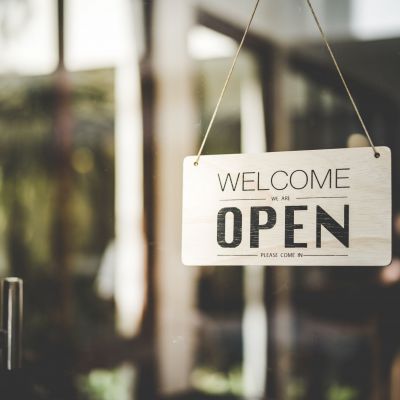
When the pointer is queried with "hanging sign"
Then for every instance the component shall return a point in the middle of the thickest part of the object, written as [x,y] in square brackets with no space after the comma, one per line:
[320,207]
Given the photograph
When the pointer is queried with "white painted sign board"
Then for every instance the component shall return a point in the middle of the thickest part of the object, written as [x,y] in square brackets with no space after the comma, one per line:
[319,207]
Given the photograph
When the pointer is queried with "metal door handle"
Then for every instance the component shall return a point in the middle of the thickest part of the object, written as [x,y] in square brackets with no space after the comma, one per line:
[11,323]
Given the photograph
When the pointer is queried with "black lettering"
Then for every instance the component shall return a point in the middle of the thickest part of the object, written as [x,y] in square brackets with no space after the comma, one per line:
[247,181]
[341,233]
[255,226]
[237,227]
[341,177]
[321,185]
[228,177]
[272,180]
[290,226]
[291,179]
[258,183]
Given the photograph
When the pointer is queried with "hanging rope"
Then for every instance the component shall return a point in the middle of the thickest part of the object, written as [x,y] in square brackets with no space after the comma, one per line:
[335,62]
[226,84]
[339,71]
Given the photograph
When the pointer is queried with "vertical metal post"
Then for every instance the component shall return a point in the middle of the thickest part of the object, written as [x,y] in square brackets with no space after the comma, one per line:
[11,323]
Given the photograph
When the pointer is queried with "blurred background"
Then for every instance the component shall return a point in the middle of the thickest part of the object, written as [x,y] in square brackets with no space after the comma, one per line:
[100,101]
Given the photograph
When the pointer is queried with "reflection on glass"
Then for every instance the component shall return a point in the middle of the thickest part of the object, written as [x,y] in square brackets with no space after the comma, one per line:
[91,150]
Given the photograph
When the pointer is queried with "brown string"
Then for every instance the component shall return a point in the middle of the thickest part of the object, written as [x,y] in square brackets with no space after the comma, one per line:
[226,84]
[339,71]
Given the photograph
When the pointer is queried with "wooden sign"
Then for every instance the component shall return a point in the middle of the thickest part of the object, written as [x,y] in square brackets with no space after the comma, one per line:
[321,207]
